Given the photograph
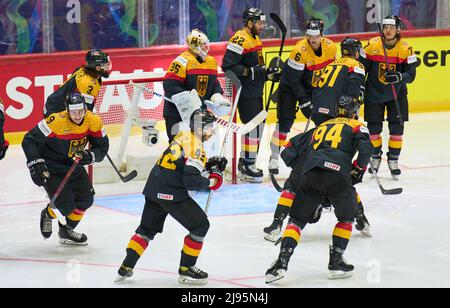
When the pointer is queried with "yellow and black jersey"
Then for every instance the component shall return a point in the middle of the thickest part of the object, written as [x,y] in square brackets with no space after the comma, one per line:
[401,58]
[245,51]
[82,81]
[2,122]
[179,169]
[56,139]
[344,76]
[302,69]
[334,143]
[186,73]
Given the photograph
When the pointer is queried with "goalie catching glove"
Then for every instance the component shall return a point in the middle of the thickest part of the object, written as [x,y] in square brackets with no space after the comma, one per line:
[216,163]
[216,179]
[186,103]
[219,105]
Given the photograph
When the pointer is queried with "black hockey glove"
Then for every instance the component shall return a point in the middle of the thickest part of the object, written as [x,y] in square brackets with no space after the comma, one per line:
[393,77]
[216,163]
[3,148]
[357,173]
[306,106]
[273,74]
[255,72]
[87,157]
[39,171]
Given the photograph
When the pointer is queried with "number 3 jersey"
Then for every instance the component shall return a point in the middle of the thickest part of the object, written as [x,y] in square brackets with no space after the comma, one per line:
[179,169]
[56,139]
[335,142]
[82,81]
[187,73]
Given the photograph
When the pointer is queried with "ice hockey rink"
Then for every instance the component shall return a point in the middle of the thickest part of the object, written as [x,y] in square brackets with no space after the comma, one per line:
[410,246]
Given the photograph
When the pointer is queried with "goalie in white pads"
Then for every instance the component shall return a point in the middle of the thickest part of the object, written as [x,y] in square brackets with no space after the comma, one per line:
[191,83]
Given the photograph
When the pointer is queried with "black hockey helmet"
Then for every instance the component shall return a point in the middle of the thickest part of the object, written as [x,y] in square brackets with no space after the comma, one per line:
[201,119]
[97,57]
[393,20]
[75,101]
[254,14]
[314,26]
[349,46]
[347,107]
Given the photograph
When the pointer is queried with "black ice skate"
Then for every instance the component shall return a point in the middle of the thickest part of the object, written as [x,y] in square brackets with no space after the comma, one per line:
[278,268]
[395,170]
[70,237]
[362,225]
[273,232]
[249,173]
[46,224]
[337,266]
[123,273]
[376,162]
[192,275]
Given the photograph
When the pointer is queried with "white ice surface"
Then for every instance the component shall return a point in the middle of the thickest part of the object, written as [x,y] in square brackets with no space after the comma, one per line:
[410,245]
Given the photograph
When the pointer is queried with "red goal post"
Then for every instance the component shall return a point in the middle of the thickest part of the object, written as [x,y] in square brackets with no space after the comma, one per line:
[125,108]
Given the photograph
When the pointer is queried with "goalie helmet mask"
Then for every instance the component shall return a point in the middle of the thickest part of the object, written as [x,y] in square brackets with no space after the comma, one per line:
[202,122]
[198,43]
[350,46]
[314,27]
[98,62]
[347,107]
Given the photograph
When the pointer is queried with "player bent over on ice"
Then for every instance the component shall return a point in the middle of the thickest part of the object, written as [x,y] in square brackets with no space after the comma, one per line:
[328,172]
[50,149]
[182,167]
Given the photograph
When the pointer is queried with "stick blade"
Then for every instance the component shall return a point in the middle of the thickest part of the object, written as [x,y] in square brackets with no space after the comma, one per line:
[234,79]
[129,176]
[394,191]
[279,22]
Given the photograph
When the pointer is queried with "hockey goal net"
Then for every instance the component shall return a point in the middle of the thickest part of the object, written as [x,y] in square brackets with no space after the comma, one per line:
[131,108]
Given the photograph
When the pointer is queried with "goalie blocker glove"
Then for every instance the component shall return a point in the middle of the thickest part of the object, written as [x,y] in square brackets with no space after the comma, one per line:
[39,171]
[393,77]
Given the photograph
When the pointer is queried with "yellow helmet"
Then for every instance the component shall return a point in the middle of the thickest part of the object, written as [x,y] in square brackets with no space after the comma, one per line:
[198,42]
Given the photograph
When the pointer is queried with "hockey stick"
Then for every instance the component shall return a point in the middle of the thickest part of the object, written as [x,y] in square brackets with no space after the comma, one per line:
[242,130]
[238,85]
[275,183]
[126,178]
[394,191]
[52,205]
[386,59]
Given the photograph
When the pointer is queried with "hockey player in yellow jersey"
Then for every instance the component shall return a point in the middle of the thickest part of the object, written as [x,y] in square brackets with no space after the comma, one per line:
[244,57]
[3,143]
[300,76]
[50,148]
[182,167]
[379,94]
[191,83]
[86,79]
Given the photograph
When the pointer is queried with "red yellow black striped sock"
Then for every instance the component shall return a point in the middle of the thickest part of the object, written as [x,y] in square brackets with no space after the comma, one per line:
[291,236]
[284,203]
[191,251]
[278,140]
[135,249]
[395,146]
[250,147]
[377,143]
[74,218]
[341,234]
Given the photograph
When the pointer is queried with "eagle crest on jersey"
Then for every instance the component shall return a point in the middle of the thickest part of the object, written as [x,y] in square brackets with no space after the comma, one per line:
[402,53]
[202,85]
[303,58]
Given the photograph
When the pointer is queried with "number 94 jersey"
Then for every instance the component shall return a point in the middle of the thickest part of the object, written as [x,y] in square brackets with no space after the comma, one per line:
[335,142]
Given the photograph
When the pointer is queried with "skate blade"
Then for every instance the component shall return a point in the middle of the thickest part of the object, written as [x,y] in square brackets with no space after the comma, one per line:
[248,179]
[339,274]
[272,278]
[395,177]
[272,237]
[192,281]
[119,279]
[366,232]
[71,243]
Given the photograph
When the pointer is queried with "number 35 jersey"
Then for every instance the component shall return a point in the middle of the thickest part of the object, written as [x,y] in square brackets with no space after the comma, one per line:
[335,142]
[179,169]
[56,139]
